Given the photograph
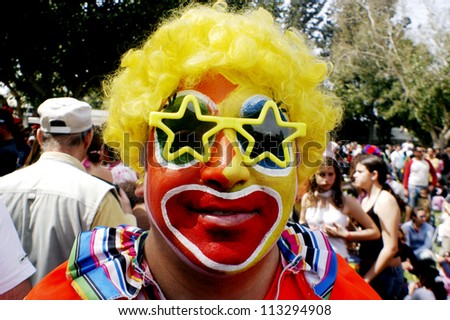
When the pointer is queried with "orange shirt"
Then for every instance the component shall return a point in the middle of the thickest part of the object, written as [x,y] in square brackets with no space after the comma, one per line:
[348,286]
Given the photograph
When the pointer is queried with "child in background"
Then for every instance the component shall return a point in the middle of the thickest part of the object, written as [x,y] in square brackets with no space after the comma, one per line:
[424,202]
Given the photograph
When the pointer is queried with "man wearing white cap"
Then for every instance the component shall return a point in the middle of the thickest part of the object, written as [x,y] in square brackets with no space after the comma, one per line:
[54,199]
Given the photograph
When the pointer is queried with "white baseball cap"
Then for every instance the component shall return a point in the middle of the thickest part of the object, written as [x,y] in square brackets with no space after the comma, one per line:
[65,115]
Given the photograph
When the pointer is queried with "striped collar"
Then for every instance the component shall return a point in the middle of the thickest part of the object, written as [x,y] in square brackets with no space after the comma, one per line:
[108,263]
[310,251]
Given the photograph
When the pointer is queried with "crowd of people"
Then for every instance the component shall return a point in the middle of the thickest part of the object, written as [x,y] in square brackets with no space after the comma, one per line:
[418,178]
[220,196]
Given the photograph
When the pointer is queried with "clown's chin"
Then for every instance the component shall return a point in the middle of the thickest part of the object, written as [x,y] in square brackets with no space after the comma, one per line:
[221,257]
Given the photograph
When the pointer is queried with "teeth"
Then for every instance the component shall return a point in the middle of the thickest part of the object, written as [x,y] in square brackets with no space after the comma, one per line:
[223,213]
[220,213]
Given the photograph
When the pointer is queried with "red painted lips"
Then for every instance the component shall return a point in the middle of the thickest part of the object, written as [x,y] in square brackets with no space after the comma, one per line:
[226,228]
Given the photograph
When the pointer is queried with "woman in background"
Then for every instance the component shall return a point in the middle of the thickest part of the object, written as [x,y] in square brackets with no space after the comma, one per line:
[93,162]
[380,263]
[326,207]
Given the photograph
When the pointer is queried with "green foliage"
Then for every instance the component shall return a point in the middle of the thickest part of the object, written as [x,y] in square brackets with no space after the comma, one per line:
[66,47]
[313,19]
[386,79]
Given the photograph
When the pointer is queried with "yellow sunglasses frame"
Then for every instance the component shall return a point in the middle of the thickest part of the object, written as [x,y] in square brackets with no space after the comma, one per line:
[156,120]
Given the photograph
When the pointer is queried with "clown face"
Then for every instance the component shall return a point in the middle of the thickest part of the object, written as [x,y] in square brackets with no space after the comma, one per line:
[221,177]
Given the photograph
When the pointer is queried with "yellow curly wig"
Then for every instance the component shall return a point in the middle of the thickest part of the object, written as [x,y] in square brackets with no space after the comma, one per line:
[245,47]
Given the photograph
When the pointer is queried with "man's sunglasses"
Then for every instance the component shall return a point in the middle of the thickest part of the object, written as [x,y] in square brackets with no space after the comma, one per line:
[185,130]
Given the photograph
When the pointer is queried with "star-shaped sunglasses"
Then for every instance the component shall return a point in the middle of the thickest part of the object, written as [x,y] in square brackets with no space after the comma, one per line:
[185,130]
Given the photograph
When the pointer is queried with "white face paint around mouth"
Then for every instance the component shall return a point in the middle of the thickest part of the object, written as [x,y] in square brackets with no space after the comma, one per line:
[223,218]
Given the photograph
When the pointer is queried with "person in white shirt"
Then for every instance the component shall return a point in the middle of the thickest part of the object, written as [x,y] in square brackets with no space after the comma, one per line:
[418,173]
[398,158]
[15,267]
[54,199]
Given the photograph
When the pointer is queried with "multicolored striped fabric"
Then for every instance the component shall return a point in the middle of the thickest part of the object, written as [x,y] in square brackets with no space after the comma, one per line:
[310,251]
[107,263]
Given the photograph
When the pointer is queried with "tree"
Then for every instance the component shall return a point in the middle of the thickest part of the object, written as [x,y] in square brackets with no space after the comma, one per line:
[382,75]
[313,18]
[66,47]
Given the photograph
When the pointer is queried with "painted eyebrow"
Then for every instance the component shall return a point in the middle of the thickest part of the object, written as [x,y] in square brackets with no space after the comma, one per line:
[253,106]
[209,103]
